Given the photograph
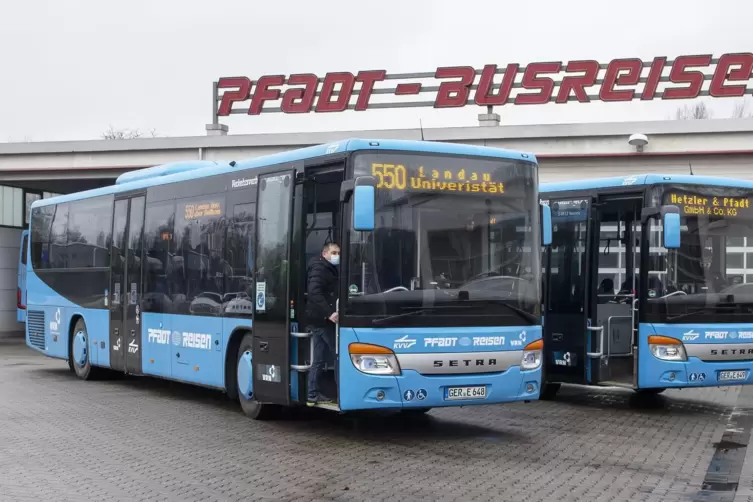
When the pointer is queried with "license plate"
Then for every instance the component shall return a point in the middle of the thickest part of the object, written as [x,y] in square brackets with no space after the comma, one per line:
[454,393]
[725,376]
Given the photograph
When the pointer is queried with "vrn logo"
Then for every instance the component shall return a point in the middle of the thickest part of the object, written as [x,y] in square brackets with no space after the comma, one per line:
[690,335]
[404,343]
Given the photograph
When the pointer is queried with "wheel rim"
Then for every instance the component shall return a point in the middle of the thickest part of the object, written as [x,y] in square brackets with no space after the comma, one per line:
[245,372]
[79,348]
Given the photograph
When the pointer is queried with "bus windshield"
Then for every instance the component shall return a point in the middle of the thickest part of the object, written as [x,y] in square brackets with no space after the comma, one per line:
[710,277]
[453,244]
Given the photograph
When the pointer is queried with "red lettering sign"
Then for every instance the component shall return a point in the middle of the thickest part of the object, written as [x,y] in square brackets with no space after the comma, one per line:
[583,81]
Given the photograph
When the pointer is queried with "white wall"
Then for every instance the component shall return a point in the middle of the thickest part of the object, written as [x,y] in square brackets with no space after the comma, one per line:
[10,240]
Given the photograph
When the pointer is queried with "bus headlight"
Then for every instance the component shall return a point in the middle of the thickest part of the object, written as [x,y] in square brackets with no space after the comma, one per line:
[667,348]
[532,355]
[373,359]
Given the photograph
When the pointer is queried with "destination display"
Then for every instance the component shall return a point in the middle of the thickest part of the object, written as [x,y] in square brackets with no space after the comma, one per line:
[202,210]
[441,174]
[691,204]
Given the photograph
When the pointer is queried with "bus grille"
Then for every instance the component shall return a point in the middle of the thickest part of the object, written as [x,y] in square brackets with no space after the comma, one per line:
[35,324]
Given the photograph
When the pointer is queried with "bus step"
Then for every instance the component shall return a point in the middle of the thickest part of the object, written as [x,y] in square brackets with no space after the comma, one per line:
[326,406]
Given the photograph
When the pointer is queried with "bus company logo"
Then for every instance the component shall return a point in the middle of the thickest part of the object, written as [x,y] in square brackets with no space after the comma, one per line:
[197,341]
[476,341]
[404,343]
[243,182]
[516,83]
[716,335]
[177,338]
[488,341]
[332,149]
[158,336]
[440,342]
[521,339]
[566,359]
[630,180]
[690,335]
[54,325]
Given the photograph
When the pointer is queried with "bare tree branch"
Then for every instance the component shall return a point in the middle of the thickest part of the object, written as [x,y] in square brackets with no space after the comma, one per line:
[696,111]
[741,110]
[112,133]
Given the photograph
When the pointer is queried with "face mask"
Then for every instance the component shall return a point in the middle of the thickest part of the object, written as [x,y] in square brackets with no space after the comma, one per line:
[335,259]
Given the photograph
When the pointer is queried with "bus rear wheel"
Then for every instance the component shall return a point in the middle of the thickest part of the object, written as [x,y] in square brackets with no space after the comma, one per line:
[78,353]
[244,373]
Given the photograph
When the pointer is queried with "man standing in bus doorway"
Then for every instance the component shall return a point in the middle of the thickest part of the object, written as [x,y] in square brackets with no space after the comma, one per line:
[321,315]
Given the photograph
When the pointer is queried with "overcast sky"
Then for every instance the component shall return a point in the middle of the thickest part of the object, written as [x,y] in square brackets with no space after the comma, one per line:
[72,68]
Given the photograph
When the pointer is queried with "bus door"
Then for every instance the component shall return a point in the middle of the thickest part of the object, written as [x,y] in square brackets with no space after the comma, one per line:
[125,284]
[617,243]
[569,337]
[21,286]
[272,294]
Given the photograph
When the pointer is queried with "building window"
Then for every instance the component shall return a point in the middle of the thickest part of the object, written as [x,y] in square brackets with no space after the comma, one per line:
[29,197]
[11,207]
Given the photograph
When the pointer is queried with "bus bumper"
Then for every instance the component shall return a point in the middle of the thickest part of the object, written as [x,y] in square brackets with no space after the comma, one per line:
[695,373]
[359,391]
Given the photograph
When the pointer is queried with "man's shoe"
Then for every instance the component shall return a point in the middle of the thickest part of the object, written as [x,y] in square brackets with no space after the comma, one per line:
[319,399]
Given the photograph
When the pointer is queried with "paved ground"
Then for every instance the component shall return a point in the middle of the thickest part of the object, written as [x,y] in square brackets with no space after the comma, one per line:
[144,439]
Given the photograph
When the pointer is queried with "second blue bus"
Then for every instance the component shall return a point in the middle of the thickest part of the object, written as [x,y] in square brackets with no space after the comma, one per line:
[648,282]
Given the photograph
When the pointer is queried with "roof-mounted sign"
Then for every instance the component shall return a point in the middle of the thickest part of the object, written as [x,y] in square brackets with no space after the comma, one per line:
[685,77]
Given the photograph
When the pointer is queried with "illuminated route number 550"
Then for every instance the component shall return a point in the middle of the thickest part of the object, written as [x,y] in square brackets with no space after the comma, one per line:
[389,175]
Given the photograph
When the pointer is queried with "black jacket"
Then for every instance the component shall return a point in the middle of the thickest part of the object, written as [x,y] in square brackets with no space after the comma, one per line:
[321,286]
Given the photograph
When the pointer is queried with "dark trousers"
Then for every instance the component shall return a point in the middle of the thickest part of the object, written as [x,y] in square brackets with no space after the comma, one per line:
[324,352]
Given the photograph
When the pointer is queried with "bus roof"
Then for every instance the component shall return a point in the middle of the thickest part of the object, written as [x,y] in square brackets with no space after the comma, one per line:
[180,171]
[642,179]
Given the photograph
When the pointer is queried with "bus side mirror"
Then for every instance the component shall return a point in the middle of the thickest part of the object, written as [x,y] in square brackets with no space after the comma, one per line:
[671,224]
[364,198]
[546,225]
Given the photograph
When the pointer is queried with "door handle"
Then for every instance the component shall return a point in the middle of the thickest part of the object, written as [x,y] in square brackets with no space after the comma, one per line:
[264,346]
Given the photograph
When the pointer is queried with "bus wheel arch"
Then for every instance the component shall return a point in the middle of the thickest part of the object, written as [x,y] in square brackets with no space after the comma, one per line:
[243,368]
[231,361]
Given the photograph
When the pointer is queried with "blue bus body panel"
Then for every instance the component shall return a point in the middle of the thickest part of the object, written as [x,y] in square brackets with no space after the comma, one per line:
[185,172]
[414,390]
[641,179]
[694,372]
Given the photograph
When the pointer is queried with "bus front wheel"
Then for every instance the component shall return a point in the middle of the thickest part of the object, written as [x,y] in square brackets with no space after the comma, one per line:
[244,372]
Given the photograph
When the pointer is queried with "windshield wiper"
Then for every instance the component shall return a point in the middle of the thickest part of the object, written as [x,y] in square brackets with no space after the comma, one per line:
[522,313]
[532,319]
[705,309]
[406,314]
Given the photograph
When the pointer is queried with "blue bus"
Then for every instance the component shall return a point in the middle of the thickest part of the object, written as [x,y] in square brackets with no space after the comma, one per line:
[21,277]
[196,272]
[648,284]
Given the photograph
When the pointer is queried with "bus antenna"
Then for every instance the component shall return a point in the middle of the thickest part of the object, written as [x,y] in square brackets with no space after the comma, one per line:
[690,166]
[421,125]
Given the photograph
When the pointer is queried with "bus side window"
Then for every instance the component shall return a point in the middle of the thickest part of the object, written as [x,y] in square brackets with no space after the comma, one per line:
[158,256]
[240,256]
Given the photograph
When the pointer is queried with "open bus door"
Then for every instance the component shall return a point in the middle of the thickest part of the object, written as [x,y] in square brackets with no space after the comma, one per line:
[21,280]
[571,343]
[272,291]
